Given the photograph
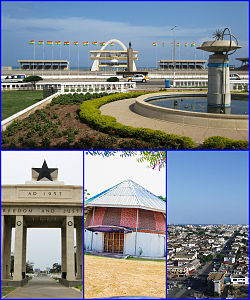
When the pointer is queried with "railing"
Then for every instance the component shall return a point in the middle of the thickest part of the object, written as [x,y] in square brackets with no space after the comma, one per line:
[74,87]
[234,84]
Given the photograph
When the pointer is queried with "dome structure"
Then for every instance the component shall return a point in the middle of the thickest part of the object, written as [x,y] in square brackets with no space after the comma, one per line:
[129,215]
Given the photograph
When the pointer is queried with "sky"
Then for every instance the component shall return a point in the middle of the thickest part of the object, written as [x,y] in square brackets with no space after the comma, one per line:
[43,245]
[141,22]
[101,173]
[207,187]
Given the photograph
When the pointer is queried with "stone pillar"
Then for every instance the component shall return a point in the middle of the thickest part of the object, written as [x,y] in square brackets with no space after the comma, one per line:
[218,81]
[70,260]
[24,252]
[6,248]
[79,252]
[63,249]
[18,249]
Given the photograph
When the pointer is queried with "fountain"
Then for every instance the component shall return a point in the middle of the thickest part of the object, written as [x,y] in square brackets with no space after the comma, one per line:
[218,69]
[214,109]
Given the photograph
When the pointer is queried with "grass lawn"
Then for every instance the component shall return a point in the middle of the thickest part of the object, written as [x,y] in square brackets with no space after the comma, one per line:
[80,287]
[15,101]
[5,290]
[108,277]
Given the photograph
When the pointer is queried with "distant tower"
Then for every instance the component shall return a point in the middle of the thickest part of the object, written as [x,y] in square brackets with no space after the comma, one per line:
[130,65]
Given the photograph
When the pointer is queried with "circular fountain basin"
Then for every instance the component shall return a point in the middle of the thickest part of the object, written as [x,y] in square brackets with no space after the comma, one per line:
[143,106]
[199,104]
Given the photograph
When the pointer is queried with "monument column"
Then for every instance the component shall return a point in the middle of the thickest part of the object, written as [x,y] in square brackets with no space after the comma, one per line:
[6,232]
[18,249]
[70,261]
[79,252]
[63,249]
[24,252]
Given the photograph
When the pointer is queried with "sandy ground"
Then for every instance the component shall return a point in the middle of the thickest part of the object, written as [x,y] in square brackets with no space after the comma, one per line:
[107,277]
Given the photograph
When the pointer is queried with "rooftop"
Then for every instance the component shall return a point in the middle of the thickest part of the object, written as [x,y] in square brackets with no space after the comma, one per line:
[127,194]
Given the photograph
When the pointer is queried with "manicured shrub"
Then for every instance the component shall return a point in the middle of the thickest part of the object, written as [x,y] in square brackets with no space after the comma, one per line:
[112,79]
[220,142]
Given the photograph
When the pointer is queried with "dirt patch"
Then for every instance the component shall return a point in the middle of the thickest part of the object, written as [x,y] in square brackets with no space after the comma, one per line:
[109,277]
[59,127]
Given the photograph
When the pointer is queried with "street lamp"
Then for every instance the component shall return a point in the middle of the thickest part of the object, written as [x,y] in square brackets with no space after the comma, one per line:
[174,50]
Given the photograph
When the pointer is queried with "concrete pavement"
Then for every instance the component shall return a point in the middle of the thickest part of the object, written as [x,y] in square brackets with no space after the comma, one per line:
[44,288]
[122,111]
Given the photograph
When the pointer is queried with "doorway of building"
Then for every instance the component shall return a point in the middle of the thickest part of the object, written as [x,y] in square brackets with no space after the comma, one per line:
[114,242]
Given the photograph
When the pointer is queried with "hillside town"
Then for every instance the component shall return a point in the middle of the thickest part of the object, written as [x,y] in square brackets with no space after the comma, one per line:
[207,261]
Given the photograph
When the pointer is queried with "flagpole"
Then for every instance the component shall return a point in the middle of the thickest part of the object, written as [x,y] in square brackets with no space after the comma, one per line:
[78,59]
[43,59]
[52,59]
[194,60]
[156,55]
[34,58]
[69,58]
[60,67]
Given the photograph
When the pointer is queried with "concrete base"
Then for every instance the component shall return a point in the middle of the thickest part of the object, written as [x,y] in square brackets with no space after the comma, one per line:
[70,283]
[9,282]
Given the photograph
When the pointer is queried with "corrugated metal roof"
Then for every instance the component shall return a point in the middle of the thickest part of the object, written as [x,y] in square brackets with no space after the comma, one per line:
[127,194]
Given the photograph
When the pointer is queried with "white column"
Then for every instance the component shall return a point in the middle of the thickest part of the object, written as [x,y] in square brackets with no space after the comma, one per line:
[70,261]
[24,249]
[79,253]
[6,232]
[63,250]
[18,249]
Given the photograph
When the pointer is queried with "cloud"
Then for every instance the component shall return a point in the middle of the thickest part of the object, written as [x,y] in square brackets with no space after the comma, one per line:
[77,28]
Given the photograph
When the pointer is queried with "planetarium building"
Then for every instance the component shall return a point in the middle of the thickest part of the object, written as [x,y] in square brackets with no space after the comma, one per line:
[126,219]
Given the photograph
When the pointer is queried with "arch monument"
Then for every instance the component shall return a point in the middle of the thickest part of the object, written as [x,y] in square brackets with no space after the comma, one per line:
[43,202]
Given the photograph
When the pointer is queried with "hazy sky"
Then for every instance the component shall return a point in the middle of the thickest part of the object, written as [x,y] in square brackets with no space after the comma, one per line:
[208,187]
[141,22]
[101,173]
[43,245]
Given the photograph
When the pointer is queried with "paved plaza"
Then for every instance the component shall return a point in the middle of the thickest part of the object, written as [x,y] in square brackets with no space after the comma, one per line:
[122,111]
[44,288]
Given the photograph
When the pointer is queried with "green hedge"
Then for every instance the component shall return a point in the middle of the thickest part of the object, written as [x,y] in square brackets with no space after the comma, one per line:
[220,142]
[113,79]
[90,114]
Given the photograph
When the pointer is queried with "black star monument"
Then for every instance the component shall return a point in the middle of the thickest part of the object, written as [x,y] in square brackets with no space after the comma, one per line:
[44,172]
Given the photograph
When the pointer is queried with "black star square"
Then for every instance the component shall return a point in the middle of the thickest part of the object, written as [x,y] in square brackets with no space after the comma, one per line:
[44,172]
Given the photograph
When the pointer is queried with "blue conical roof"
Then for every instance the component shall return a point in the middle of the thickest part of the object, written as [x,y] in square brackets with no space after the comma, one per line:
[127,194]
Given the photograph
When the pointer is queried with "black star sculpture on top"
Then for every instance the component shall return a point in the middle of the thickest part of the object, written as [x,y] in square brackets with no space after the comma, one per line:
[44,172]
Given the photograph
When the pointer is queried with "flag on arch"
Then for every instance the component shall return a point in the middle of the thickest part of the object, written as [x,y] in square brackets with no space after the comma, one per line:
[32,42]
[76,43]
[49,43]
[85,43]
[102,43]
[40,42]
[154,44]
[58,43]
[94,43]
[112,44]
[65,43]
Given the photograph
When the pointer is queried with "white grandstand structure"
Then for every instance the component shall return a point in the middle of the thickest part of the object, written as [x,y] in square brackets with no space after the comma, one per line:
[112,59]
